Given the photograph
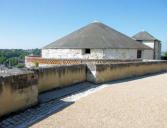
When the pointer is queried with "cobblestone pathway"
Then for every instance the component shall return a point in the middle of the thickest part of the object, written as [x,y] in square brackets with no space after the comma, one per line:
[32,115]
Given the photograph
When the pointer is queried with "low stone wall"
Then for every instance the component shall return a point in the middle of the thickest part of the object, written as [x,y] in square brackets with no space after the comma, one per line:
[99,73]
[17,91]
[29,61]
[59,76]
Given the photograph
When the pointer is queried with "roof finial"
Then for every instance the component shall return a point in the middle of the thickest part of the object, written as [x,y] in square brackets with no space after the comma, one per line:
[143,30]
[96,21]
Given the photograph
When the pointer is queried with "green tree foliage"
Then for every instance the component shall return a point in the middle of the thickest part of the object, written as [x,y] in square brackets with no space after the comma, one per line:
[11,57]
[20,66]
[36,52]
[13,61]
[2,59]
[165,53]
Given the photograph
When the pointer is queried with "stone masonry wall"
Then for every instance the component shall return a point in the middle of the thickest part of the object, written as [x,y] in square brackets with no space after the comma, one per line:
[121,54]
[149,43]
[100,73]
[157,50]
[156,46]
[148,55]
[59,76]
[17,91]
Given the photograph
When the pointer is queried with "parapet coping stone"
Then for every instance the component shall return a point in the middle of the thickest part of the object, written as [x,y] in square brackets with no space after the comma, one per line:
[14,72]
[82,59]
[128,63]
[55,67]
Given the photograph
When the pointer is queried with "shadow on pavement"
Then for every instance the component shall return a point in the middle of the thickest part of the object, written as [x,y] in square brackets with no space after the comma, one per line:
[28,117]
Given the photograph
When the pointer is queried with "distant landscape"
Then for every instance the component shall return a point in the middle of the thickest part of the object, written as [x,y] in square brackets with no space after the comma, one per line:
[15,57]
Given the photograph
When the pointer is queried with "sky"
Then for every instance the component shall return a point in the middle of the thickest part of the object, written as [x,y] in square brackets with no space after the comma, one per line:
[30,24]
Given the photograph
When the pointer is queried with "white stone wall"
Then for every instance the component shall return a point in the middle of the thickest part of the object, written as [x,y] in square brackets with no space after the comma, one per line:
[156,45]
[123,54]
[117,54]
[149,44]
[157,50]
[71,54]
[148,54]
[61,53]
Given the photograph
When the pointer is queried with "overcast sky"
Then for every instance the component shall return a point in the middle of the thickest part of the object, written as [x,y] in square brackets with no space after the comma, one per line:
[36,23]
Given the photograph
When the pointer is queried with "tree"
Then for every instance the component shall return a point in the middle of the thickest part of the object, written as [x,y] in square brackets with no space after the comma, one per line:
[20,66]
[2,59]
[10,62]
[11,57]
[13,61]
[36,52]
[165,53]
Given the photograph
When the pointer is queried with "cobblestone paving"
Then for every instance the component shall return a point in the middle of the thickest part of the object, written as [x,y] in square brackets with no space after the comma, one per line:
[32,115]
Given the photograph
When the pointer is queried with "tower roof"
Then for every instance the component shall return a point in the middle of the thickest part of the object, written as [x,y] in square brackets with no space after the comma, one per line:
[96,35]
[143,35]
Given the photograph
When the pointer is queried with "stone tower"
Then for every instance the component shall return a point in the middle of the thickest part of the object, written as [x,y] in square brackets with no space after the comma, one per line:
[147,39]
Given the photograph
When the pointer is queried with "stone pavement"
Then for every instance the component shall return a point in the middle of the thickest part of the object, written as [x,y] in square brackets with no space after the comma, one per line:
[139,103]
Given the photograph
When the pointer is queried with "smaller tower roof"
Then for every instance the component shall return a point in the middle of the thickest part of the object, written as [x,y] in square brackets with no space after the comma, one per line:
[143,35]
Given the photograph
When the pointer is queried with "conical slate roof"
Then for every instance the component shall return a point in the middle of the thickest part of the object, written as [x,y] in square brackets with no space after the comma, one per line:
[96,35]
[143,35]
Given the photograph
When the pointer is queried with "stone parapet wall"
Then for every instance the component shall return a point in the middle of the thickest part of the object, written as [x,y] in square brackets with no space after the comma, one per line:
[20,89]
[59,76]
[17,91]
[100,73]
